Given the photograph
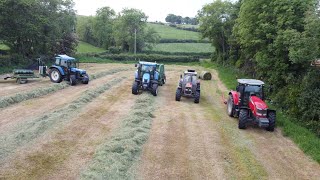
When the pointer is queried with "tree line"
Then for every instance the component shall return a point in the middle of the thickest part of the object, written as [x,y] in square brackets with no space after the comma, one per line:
[274,41]
[117,32]
[38,27]
[176,19]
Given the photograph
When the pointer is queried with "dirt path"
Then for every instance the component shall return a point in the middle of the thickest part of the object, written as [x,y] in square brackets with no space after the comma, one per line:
[190,141]
[186,140]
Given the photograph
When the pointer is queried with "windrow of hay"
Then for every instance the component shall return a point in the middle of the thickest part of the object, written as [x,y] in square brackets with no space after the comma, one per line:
[19,97]
[115,159]
[29,130]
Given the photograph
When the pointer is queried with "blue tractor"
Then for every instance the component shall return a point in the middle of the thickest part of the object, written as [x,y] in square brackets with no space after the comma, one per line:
[65,68]
[146,78]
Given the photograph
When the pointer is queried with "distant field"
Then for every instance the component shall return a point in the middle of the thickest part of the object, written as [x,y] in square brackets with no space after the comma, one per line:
[188,26]
[88,48]
[167,32]
[184,47]
[4,47]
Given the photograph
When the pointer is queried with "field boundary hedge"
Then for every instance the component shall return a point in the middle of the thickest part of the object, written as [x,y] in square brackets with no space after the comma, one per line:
[183,41]
[101,57]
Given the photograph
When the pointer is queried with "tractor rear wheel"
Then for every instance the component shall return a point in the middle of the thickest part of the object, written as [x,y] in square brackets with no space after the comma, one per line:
[155,89]
[73,80]
[178,94]
[272,121]
[197,97]
[230,106]
[55,76]
[243,118]
[135,88]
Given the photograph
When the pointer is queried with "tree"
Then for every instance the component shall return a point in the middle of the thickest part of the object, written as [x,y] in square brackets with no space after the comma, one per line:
[171,18]
[102,27]
[130,22]
[33,27]
[217,20]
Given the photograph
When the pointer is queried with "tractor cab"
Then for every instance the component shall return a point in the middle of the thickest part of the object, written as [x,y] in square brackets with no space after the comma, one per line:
[66,61]
[247,88]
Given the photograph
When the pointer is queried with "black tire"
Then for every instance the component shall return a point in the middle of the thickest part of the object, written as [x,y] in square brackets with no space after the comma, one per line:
[135,88]
[178,94]
[85,80]
[243,118]
[155,89]
[164,80]
[230,106]
[73,80]
[55,75]
[197,97]
[272,121]
[161,82]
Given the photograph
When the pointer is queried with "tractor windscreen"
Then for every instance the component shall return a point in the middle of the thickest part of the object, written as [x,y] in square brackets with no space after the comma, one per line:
[254,90]
[147,68]
[72,64]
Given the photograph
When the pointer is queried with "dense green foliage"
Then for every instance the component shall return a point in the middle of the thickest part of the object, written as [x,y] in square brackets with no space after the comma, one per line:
[108,30]
[174,19]
[274,41]
[104,57]
[33,27]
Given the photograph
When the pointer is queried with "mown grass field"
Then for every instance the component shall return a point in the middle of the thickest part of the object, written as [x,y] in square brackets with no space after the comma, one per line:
[184,47]
[84,47]
[167,32]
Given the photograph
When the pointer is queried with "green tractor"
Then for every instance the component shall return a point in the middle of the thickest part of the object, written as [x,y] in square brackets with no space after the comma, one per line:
[147,77]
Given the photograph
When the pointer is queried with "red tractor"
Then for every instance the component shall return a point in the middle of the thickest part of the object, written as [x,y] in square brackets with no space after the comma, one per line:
[247,103]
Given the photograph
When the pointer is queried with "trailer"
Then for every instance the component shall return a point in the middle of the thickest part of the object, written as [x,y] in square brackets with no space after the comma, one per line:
[21,75]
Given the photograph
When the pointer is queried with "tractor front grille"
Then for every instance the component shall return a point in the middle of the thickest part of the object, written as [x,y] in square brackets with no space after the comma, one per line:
[188,91]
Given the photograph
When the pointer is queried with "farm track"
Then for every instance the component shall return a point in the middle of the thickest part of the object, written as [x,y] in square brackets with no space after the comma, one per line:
[186,140]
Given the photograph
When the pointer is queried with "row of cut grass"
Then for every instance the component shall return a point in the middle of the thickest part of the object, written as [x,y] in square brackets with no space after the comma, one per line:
[28,131]
[20,97]
[115,158]
[307,141]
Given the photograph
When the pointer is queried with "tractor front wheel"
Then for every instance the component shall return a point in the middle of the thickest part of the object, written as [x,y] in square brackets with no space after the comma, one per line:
[155,89]
[85,80]
[55,76]
[243,118]
[135,88]
[197,97]
[178,94]
[230,106]
[272,121]
[73,80]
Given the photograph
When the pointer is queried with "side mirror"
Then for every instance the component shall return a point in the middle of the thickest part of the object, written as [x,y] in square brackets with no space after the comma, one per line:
[135,65]
[181,76]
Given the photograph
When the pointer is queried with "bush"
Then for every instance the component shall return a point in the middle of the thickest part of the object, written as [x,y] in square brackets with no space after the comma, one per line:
[188,29]
[195,54]
[142,57]
[115,50]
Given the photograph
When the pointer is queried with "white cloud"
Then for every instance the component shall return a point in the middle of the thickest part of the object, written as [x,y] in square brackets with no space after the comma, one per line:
[156,10]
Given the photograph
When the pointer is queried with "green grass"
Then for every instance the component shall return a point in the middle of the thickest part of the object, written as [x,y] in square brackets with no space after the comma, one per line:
[308,142]
[188,26]
[184,47]
[167,32]
[116,157]
[4,47]
[88,48]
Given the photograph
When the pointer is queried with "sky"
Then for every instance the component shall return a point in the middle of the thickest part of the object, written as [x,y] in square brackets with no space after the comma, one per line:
[157,10]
